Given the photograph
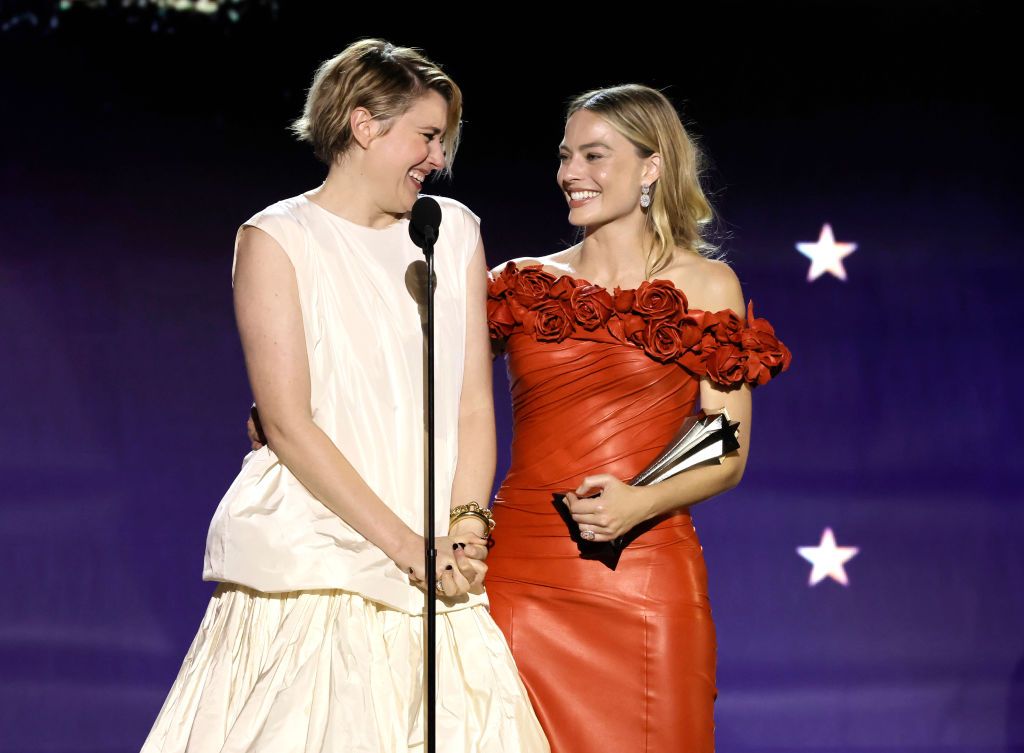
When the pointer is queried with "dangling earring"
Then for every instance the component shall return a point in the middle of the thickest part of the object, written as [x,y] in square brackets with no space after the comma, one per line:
[645,195]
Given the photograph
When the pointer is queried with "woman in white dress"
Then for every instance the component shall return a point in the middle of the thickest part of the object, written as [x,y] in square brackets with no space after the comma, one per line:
[313,641]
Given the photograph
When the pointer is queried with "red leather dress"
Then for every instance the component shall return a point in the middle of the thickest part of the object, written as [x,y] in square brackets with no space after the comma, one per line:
[616,659]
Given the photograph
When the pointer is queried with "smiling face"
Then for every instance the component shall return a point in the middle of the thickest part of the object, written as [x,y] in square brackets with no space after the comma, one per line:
[600,171]
[399,161]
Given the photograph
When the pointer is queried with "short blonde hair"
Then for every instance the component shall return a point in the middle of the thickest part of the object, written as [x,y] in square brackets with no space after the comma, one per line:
[680,213]
[384,79]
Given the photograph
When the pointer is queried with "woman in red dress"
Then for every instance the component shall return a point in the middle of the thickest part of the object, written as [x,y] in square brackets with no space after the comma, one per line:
[611,344]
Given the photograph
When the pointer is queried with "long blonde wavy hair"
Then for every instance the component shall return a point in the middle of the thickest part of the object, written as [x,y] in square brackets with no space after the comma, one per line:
[680,214]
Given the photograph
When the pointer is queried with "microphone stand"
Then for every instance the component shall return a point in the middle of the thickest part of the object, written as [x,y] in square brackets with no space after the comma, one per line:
[423,229]
[428,540]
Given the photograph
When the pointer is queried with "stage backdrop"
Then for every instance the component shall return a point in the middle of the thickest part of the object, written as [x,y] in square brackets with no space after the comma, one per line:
[866,576]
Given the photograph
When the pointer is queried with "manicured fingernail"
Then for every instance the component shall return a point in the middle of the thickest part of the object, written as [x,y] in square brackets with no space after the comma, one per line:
[460,545]
[448,567]
[454,547]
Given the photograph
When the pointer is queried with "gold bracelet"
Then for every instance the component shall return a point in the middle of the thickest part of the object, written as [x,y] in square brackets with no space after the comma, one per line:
[469,507]
[488,524]
[472,510]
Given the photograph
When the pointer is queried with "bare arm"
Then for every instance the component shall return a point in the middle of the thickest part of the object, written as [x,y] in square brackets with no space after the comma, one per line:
[270,325]
[699,484]
[474,474]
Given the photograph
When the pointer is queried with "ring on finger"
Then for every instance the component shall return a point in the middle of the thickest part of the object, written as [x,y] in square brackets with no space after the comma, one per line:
[587,534]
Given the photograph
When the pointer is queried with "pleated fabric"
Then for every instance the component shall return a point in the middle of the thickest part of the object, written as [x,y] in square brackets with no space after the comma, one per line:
[328,671]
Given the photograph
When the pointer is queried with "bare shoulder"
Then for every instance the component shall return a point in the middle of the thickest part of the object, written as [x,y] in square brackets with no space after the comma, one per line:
[258,246]
[709,284]
[555,263]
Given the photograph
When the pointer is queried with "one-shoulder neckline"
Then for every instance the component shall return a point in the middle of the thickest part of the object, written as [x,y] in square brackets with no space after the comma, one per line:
[722,345]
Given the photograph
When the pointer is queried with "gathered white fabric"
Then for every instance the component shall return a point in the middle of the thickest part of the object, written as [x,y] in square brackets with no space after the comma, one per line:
[364,339]
[330,672]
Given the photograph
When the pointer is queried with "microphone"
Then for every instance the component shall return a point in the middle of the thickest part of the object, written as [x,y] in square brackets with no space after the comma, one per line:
[425,223]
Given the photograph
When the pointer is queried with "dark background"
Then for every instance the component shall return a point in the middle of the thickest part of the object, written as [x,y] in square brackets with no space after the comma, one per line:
[134,143]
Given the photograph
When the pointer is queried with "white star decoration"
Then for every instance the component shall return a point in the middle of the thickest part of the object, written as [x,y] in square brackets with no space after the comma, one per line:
[826,255]
[827,559]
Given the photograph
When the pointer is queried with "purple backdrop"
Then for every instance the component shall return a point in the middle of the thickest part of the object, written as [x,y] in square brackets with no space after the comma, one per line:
[136,144]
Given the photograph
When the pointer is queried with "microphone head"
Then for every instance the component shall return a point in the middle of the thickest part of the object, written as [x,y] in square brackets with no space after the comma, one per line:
[426,213]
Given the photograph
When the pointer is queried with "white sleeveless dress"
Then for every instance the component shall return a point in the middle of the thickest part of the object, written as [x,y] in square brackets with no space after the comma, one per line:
[313,642]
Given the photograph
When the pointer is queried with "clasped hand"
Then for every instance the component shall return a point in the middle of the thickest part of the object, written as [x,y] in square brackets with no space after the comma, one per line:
[613,512]
[460,563]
